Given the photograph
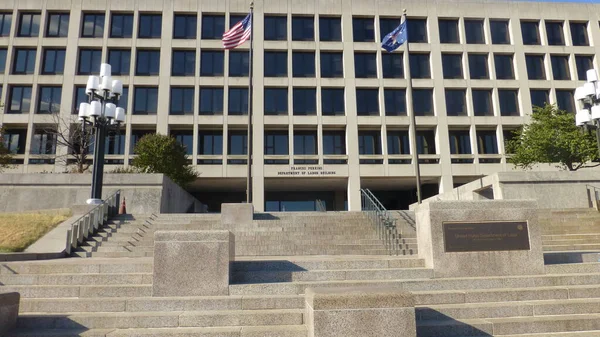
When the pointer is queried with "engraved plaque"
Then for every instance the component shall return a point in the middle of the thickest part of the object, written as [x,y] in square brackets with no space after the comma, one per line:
[485,236]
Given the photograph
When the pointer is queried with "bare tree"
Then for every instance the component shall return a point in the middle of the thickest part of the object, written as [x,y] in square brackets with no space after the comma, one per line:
[69,133]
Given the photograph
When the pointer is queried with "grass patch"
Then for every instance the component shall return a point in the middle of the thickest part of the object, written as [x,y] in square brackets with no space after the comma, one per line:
[19,230]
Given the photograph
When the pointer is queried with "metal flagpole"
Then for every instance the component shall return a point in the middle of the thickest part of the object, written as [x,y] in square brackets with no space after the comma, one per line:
[249,140]
[413,122]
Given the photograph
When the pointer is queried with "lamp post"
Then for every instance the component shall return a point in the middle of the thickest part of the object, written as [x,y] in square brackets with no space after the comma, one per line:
[101,114]
[588,104]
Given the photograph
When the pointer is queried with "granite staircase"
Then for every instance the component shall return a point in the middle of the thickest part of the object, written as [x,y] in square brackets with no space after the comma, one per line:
[570,230]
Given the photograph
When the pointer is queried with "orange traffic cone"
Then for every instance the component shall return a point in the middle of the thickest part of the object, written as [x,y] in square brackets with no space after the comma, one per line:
[123,208]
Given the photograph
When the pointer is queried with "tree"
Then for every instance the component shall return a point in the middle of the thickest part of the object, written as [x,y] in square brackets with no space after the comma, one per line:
[6,155]
[552,137]
[163,154]
[68,132]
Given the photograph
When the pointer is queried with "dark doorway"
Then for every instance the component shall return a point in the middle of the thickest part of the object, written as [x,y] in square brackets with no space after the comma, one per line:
[401,199]
[294,201]
[214,199]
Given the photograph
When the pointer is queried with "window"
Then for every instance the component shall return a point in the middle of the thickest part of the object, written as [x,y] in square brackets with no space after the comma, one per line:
[395,102]
[363,29]
[303,64]
[482,102]
[509,102]
[150,26]
[583,63]
[305,142]
[530,31]
[43,142]
[235,19]
[392,65]
[20,99]
[564,100]
[182,101]
[305,101]
[417,30]
[276,28]
[5,23]
[487,142]
[331,64]
[560,67]
[185,26]
[397,142]
[504,67]
[540,97]
[332,101]
[303,28]
[474,31]
[120,61]
[58,25]
[185,138]
[456,102]
[367,102]
[579,33]
[423,102]
[211,101]
[93,25]
[89,61]
[426,142]
[276,101]
[452,65]
[238,63]
[554,31]
[24,61]
[29,24]
[369,142]
[14,140]
[460,142]
[184,63]
[330,29]
[238,101]
[478,66]
[49,100]
[115,144]
[499,31]
[213,27]
[535,67]
[211,63]
[148,63]
[136,135]
[448,31]
[80,97]
[419,66]
[121,26]
[386,26]
[276,143]
[54,61]
[365,65]
[275,63]
[2,60]
[145,101]
[210,142]
[334,142]
[124,99]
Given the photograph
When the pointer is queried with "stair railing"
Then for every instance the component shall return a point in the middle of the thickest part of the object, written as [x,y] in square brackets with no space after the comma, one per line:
[382,221]
[593,193]
[320,205]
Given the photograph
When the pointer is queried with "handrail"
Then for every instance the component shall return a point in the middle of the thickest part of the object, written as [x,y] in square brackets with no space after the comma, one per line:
[321,207]
[382,220]
[595,201]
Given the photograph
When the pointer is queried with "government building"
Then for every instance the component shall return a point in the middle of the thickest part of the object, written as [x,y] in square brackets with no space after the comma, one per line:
[330,107]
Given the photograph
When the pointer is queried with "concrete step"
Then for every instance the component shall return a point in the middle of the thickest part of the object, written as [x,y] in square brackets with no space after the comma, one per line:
[299,263]
[245,331]
[570,242]
[594,237]
[76,279]
[61,291]
[588,247]
[330,275]
[73,266]
[120,254]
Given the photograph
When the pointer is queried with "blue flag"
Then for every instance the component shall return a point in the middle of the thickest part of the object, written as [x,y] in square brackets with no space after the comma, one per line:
[396,38]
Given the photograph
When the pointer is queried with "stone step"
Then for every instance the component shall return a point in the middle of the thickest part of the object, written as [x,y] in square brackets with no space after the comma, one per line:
[595,236]
[298,263]
[118,254]
[72,266]
[567,242]
[587,247]
[61,291]
[573,268]
[76,279]
[330,275]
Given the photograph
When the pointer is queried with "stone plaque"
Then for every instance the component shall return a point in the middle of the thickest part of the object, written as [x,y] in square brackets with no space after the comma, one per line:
[485,236]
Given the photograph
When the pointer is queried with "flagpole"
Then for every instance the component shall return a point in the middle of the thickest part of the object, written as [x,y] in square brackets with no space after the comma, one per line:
[249,140]
[413,122]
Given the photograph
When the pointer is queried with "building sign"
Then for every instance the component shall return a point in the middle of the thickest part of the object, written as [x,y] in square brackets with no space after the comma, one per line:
[306,171]
[485,236]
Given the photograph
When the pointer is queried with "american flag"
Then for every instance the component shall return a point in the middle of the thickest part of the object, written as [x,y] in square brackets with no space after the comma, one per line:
[238,34]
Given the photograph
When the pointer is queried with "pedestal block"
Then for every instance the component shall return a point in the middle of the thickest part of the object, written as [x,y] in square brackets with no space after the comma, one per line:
[9,311]
[236,214]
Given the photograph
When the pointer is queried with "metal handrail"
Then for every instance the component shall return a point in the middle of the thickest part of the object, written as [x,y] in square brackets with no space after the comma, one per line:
[321,207]
[595,202]
[382,221]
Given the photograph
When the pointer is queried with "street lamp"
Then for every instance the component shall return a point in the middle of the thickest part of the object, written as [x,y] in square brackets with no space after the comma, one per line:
[101,114]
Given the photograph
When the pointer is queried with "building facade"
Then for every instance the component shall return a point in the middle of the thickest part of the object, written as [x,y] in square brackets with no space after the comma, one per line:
[330,106]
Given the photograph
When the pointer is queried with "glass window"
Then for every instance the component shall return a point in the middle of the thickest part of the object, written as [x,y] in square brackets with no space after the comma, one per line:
[49,100]
[276,101]
[363,29]
[115,144]
[460,142]
[423,102]
[276,142]
[579,33]
[584,63]
[43,142]
[303,28]
[452,65]
[369,142]
[121,26]
[80,97]
[419,66]
[499,31]
[334,142]
[145,101]
[185,138]
[148,63]
[395,102]
[54,61]
[564,100]
[29,25]
[211,101]
[93,25]
[365,65]
[275,28]
[238,63]
[3,52]
[305,101]
[474,31]
[487,142]
[386,26]
[482,102]
[397,142]
[332,64]
[20,100]
[213,27]
[530,30]
[535,67]
[509,102]
[555,33]
[392,65]
[303,64]
[305,142]
[330,28]
[238,101]
[560,67]
[5,23]
[210,142]
[120,61]
[150,26]
[24,61]
[426,142]
[184,63]
[235,19]
[540,97]
[417,30]
[332,101]
[14,140]
[136,135]
[58,25]
[185,26]
[478,66]
[89,61]
[275,63]
[124,99]
[504,67]
[211,63]
[182,101]
[456,102]
[367,102]
[448,30]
